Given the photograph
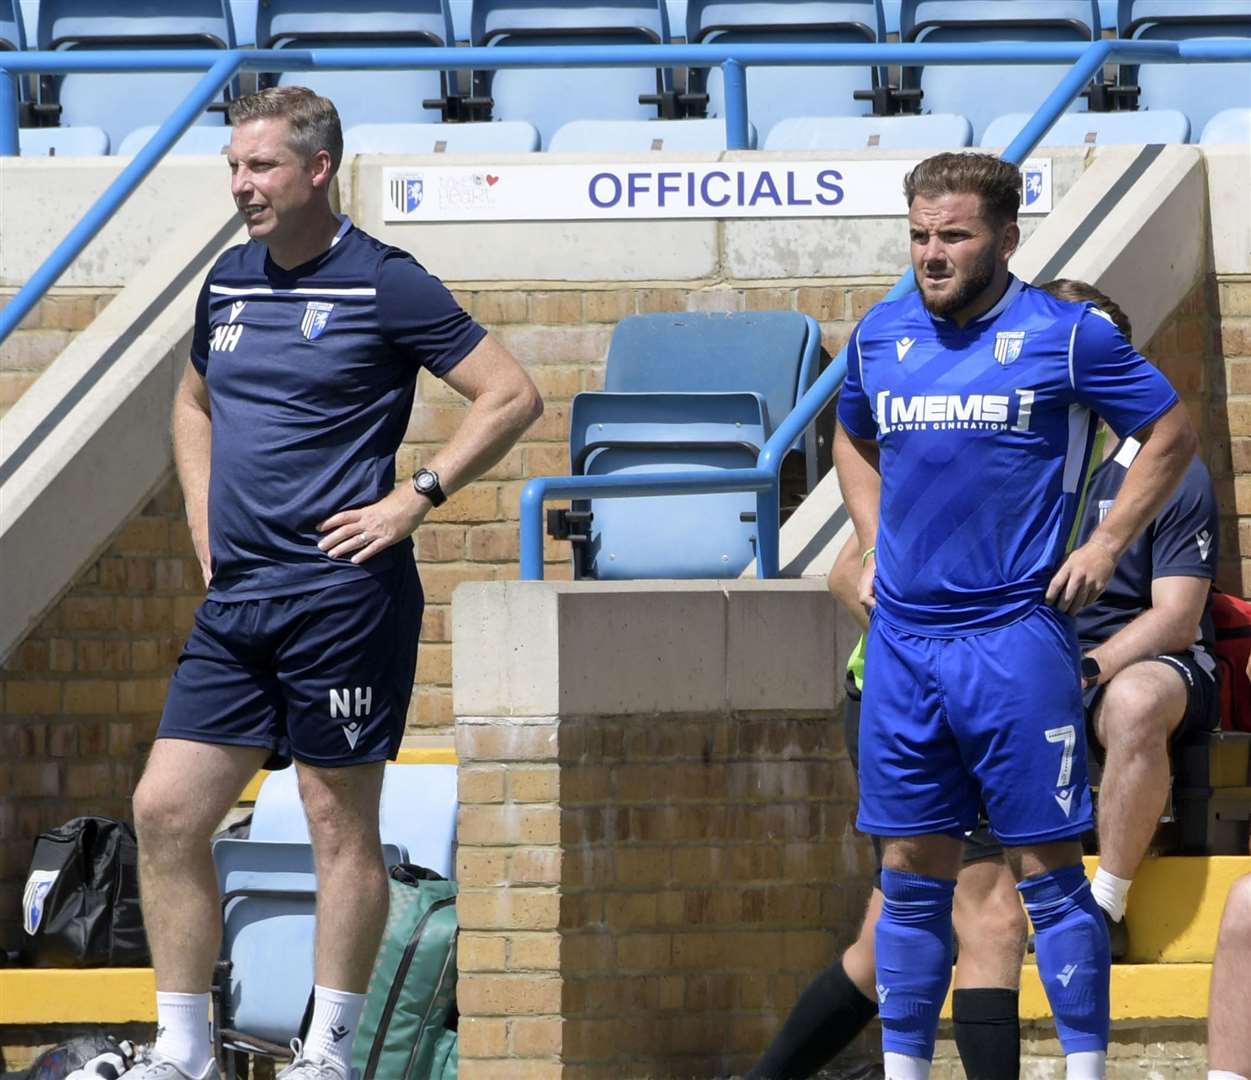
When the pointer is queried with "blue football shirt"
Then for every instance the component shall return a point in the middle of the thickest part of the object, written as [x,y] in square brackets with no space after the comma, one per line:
[985,434]
[311,374]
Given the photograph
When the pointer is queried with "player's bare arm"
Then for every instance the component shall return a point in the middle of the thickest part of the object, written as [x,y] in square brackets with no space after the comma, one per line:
[1168,626]
[1168,444]
[860,479]
[504,403]
[192,429]
[844,580]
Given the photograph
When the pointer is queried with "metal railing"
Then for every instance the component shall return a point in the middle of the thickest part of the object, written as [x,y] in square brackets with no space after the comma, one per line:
[219,67]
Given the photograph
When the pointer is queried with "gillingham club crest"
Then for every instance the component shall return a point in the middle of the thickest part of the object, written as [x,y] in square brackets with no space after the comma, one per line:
[316,315]
[407,193]
[1031,184]
[1008,346]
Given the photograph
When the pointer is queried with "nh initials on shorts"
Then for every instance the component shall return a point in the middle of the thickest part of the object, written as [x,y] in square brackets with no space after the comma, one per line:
[359,700]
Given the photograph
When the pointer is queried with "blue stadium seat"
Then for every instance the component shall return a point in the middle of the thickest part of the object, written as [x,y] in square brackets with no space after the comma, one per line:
[774,93]
[375,97]
[610,136]
[1096,129]
[982,92]
[682,536]
[1198,90]
[12,35]
[120,103]
[933,132]
[1228,127]
[62,142]
[195,140]
[550,98]
[505,137]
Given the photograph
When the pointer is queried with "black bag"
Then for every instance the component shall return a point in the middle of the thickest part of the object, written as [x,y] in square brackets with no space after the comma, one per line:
[80,907]
[60,1061]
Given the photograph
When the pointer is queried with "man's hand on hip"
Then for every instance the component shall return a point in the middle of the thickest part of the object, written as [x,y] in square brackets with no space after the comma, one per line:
[1082,578]
[866,588]
[360,534]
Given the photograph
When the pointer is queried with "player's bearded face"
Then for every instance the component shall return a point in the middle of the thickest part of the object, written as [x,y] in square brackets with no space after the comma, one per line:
[956,252]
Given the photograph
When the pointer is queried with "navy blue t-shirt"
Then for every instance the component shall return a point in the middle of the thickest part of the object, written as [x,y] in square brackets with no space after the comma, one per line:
[311,374]
[1180,542]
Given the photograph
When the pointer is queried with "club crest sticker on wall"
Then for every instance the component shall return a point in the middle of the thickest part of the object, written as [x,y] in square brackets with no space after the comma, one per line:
[38,885]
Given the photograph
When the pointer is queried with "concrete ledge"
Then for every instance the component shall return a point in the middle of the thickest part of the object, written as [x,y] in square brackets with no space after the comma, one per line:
[87,995]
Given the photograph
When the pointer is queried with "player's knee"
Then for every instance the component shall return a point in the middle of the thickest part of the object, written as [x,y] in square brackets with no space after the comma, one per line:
[164,814]
[1133,717]
[1236,921]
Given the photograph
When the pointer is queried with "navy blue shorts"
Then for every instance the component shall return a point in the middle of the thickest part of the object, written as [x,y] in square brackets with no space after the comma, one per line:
[323,677]
[995,718]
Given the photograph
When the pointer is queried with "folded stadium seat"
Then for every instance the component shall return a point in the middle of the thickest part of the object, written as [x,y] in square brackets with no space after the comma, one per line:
[62,142]
[12,34]
[195,140]
[775,93]
[1230,126]
[1096,129]
[934,132]
[505,137]
[982,92]
[418,812]
[119,103]
[263,985]
[609,136]
[362,97]
[1198,90]
[551,97]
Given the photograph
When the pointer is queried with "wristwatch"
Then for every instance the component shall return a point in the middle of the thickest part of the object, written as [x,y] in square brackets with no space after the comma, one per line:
[426,482]
[1090,669]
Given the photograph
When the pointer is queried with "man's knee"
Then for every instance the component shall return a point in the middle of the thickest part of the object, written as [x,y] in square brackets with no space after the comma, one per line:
[1236,920]
[341,806]
[163,813]
[1140,708]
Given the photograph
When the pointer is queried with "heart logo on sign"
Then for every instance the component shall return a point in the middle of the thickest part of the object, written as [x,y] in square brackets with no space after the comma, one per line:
[492,180]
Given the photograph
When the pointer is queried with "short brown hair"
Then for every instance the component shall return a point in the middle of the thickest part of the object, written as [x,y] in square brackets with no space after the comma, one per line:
[312,120]
[996,181]
[1079,292]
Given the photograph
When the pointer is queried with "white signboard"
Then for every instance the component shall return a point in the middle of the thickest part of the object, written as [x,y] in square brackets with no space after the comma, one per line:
[575,192]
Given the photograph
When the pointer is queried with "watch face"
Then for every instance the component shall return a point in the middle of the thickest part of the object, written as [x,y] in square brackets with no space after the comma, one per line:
[1090,668]
[426,480]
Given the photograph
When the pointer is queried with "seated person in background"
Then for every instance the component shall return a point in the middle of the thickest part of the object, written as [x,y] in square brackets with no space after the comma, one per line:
[1229,1033]
[989,924]
[1148,665]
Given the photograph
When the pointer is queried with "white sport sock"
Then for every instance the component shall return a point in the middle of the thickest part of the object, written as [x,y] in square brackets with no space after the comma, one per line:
[1221,1074]
[1110,892]
[182,1031]
[1088,1065]
[336,1014]
[905,1067]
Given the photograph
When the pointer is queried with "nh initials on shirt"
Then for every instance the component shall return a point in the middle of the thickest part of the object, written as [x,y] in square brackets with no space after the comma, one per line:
[226,337]
[351,701]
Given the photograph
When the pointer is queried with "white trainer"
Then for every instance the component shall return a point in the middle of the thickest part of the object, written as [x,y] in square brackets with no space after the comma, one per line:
[154,1066]
[305,1068]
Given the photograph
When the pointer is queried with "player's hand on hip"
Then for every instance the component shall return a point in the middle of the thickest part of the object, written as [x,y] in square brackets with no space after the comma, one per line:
[1082,578]
[866,590]
[360,534]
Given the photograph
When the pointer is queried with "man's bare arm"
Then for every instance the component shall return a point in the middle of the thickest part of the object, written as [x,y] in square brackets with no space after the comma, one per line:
[844,580]
[860,480]
[192,429]
[504,402]
[1168,445]
[1169,625]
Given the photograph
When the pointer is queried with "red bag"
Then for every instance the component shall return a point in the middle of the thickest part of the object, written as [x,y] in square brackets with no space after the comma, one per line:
[1231,617]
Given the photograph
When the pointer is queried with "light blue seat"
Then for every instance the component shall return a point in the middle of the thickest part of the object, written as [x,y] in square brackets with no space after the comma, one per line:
[374,97]
[12,33]
[551,97]
[62,142]
[679,536]
[119,103]
[982,92]
[268,894]
[775,93]
[1228,127]
[505,137]
[934,132]
[418,814]
[609,136]
[195,140]
[1198,90]
[1096,129]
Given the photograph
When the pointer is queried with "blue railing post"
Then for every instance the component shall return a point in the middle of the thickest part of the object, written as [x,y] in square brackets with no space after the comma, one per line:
[768,530]
[1057,101]
[8,114]
[532,530]
[734,76]
[118,192]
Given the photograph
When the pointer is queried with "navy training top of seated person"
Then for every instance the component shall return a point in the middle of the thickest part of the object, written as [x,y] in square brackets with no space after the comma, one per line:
[311,374]
[985,434]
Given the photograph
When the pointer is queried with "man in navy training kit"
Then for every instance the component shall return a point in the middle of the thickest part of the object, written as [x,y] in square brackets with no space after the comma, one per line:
[965,433]
[307,344]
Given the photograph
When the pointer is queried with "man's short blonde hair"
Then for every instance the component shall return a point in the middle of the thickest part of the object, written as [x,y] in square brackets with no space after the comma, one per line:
[313,121]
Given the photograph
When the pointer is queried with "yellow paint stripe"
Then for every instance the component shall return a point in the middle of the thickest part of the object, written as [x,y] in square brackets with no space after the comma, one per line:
[418,755]
[91,995]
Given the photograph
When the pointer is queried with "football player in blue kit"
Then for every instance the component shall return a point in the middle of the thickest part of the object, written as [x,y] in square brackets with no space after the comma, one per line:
[307,344]
[964,441]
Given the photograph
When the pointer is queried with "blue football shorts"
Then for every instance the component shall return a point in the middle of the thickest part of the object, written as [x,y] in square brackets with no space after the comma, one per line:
[994,719]
[324,677]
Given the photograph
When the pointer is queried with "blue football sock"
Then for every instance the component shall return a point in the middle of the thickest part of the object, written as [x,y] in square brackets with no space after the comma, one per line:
[1074,960]
[913,960]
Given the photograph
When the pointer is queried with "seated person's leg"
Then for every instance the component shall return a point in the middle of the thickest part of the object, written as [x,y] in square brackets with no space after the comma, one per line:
[1229,1035]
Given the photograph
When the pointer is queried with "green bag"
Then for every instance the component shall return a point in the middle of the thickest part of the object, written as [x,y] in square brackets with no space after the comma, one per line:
[404,1032]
